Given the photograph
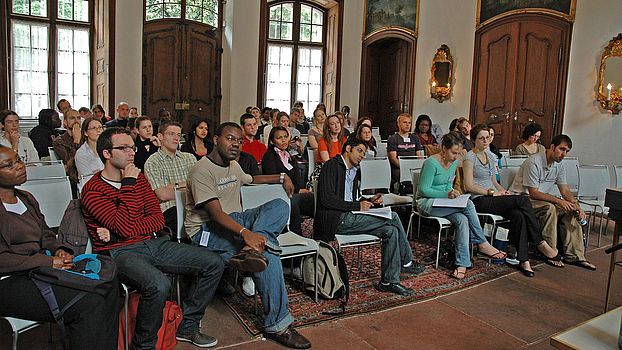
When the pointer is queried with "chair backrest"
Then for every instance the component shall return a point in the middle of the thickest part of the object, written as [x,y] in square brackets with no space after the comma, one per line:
[505,152]
[375,173]
[256,195]
[570,165]
[52,152]
[514,161]
[381,149]
[507,175]
[407,163]
[304,138]
[180,207]
[45,169]
[53,195]
[375,132]
[593,181]
[617,169]
[311,162]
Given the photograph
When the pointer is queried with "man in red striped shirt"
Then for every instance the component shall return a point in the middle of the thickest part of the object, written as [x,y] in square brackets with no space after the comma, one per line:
[123,217]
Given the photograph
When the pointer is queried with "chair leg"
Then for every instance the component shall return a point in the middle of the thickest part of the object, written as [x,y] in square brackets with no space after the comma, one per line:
[126,313]
[15,336]
[317,257]
[438,245]
[410,223]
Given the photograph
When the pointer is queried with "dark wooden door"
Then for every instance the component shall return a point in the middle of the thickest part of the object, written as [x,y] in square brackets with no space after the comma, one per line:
[386,81]
[181,71]
[520,76]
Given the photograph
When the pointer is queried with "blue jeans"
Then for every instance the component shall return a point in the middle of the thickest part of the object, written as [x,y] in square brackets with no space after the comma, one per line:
[467,228]
[143,266]
[396,250]
[268,220]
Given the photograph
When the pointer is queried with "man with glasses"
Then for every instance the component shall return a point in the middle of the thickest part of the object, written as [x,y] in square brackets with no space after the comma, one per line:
[168,169]
[337,198]
[124,220]
[246,240]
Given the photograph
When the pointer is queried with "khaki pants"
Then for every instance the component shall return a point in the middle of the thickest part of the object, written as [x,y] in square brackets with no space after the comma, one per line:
[570,231]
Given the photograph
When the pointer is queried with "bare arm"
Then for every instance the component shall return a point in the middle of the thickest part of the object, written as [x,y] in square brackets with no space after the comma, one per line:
[393,158]
[167,193]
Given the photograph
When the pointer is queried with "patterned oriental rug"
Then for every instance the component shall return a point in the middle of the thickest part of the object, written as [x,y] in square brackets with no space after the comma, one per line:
[364,297]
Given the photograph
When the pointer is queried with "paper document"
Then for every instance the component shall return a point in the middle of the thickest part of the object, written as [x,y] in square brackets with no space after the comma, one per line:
[290,238]
[384,212]
[458,202]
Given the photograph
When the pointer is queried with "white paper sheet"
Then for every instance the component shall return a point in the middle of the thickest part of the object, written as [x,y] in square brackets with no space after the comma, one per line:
[384,212]
[458,202]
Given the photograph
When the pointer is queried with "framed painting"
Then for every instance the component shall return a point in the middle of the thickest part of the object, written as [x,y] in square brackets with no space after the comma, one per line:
[381,14]
[492,9]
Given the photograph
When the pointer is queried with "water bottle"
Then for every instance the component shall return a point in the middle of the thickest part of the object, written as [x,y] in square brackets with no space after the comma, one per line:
[582,222]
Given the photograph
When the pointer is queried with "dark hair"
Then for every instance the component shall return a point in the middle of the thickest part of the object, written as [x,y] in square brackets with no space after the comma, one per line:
[295,110]
[530,130]
[321,106]
[5,113]
[477,129]
[84,109]
[265,110]
[85,126]
[207,142]
[561,138]
[225,125]
[61,101]
[141,119]
[161,111]
[165,125]
[352,141]
[46,115]
[451,139]
[357,134]
[104,142]
[453,124]
[298,104]
[273,131]
[362,119]
[248,109]
[246,116]
[98,106]
[421,118]
[136,108]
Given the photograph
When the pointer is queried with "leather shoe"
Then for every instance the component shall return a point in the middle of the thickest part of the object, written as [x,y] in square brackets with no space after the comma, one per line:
[395,288]
[290,338]
[249,261]
[414,269]
[526,272]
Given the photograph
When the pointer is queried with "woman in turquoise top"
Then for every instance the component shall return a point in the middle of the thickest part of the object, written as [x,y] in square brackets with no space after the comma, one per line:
[436,181]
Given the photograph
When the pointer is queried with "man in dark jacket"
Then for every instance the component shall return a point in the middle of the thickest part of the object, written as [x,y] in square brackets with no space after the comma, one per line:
[337,199]
[44,134]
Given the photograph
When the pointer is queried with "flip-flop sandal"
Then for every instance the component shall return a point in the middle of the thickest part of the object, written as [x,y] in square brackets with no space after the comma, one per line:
[582,263]
[555,261]
[496,256]
[458,274]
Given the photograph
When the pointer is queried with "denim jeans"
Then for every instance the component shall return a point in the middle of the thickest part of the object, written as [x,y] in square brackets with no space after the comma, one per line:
[467,228]
[268,220]
[143,266]
[396,250]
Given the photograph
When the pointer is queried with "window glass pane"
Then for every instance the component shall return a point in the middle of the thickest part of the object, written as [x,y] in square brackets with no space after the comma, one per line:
[38,8]
[287,31]
[172,11]
[305,32]
[65,84]
[65,9]
[273,30]
[279,73]
[154,12]
[197,3]
[275,12]
[305,14]
[317,17]
[152,2]
[81,10]
[21,6]
[316,34]
[194,13]
[309,76]
[287,12]
[210,18]
[73,66]
[30,92]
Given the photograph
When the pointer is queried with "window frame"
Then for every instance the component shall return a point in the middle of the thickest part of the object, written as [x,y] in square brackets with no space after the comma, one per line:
[53,22]
[295,43]
[183,17]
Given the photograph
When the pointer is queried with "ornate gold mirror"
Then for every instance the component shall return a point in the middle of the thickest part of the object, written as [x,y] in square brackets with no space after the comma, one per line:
[610,76]
[442,73]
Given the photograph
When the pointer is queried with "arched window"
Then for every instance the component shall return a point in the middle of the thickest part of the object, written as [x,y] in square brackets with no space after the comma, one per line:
[294,58]
[204,11]
[44,36]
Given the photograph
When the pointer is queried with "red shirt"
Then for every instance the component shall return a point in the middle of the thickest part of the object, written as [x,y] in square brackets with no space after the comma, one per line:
[254,148]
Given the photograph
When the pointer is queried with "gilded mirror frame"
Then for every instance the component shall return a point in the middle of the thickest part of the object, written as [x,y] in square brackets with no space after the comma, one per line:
[441,91]
[609,100]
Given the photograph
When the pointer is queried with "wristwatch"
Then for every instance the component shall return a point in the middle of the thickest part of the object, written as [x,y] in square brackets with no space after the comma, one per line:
[282,178]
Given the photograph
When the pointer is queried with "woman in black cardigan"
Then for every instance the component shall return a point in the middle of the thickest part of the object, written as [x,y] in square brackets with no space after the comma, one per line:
[277,160]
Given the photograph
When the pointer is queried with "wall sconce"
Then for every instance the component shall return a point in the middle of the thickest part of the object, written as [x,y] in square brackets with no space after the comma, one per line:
[609,92]
[442,73]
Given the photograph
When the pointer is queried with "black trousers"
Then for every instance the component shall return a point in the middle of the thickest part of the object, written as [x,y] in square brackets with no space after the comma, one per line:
[170,220]
[92,323]
[301,204]
[524,226]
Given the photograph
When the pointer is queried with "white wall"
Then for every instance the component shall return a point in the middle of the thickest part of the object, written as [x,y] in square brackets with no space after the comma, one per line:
[128,53]
[351,54]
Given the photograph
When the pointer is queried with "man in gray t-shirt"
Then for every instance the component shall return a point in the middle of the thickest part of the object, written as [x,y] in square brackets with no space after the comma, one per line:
[403,143]
[536,178]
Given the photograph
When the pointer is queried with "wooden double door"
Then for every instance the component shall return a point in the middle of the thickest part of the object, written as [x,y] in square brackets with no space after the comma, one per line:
[181,71]
[519,76]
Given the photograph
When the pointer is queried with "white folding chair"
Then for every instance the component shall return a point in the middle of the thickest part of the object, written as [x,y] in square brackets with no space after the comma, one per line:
[376,174]
[407,163]
[180,202]
[593,182]
[442,222]
[311,162]
[514,161]
[45,169]
[505,152]
[617,169]
[381,149]
[53,194]
[570,165]
[53,155]
[292,244]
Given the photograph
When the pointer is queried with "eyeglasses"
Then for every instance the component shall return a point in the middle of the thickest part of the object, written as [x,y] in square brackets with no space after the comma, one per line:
[125,149]
[98,128]
[11,164]
[231,138]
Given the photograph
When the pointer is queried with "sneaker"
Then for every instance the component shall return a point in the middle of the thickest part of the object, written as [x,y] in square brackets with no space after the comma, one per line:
[198,339]
[248,287]
[414,269]
[290,338]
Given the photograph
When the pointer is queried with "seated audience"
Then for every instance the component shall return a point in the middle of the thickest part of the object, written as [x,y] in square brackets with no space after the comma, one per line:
[480,167]
[13,139]
[146,142]
[67,145]
[332,140]
[531,136]
[464,129]
[297,120]
[436,181]
[337,196]
[85,112]
[321,106]
[402,143]
[63,105]
[44,134]
[248,163]
[491,146]
[265,120]
[295,141]
[367,121]
[92,322]
[120,200]
[315,131]
[123,113]
[163,116]
[251,145]
[100,113]
[423,129]
[342,120]
[198,139]
[133,112]
[256,112]
[363,133]
[557,216]
[246,240]
[277,160]
[453,126]
[168,169]
[350,120]
[87,160]
[274,120]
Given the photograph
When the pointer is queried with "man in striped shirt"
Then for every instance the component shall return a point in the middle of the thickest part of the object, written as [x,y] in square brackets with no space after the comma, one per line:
[123,218]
